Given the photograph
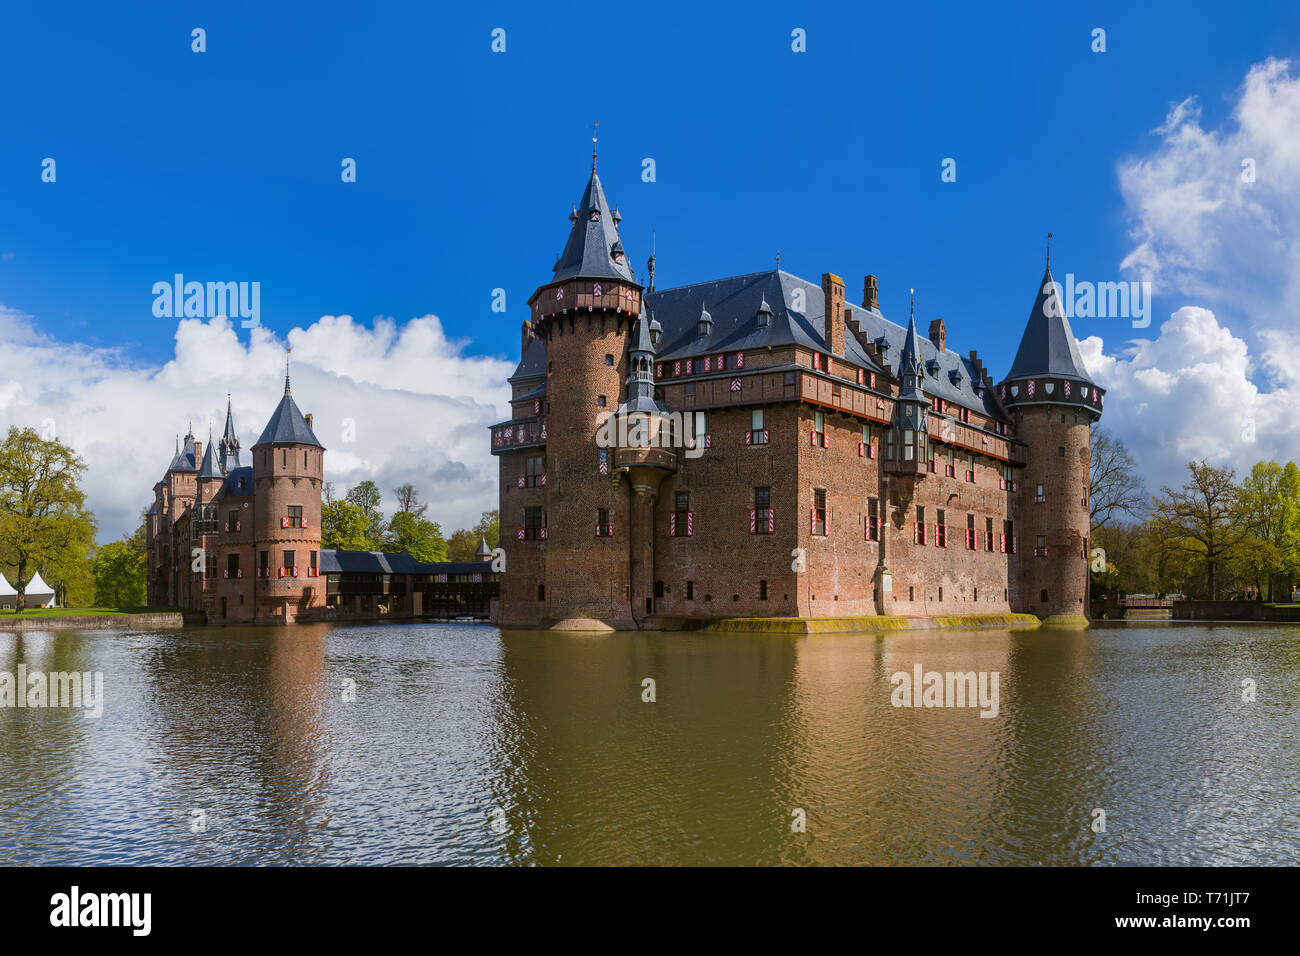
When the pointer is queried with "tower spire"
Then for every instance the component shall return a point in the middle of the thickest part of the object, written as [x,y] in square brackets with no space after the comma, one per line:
[286,369]
[1049,252]
[594,128]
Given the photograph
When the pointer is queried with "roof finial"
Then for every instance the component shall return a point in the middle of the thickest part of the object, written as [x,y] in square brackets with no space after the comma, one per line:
[911,309]
[286,369]
[1049,250]
[594,127]
[778,259]
[651,261]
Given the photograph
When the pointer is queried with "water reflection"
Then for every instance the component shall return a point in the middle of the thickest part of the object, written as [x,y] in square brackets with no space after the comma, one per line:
[459,743]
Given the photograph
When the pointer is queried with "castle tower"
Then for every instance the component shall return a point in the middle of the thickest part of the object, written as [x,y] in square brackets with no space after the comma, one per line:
[288,472]
[229,449]
[1054,403]
[585,315]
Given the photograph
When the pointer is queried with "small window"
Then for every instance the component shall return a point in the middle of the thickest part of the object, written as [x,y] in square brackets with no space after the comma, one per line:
[600,401]
[1060,450]
[690,590]
[1042,595]
[789,378]
[288,559]
[690,388]
[609,359]
[911,594]
[541,592]
[756,419]
[659,589]
[762,590]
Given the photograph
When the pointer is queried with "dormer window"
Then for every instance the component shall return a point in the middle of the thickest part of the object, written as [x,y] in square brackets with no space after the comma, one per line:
[616,253]
[595,215]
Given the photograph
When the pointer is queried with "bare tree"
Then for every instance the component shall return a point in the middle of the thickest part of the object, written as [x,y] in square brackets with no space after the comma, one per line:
[1114,487]
[1204,519]
[408,500]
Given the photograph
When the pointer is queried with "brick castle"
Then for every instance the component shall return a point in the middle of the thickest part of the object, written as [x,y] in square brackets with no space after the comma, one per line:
[756,446]
[241,542]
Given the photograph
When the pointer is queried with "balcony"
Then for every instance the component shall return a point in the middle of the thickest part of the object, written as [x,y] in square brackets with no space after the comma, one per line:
[512,435]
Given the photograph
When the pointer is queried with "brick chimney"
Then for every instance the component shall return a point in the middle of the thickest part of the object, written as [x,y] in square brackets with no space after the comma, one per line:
[198,452]
[938,334]
[869,300]
[833,300]
[525,336]
[308,419]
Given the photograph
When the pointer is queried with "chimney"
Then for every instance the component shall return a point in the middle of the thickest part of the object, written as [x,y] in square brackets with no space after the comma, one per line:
[525,336]
[198,452]
[979,366]
[308,418]
[833,318]
[937,334]
[869,300]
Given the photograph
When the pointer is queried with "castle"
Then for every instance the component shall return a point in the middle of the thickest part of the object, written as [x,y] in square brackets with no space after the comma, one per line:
[820,461]
[241,542]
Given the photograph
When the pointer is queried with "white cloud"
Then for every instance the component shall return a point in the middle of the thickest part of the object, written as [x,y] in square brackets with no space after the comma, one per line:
[1200,229]
[420,405]
[1226,364]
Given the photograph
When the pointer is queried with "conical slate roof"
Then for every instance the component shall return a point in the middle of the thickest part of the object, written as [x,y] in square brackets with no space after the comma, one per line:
[909,366]
[287,425]
[593,243]
[1048,346]
[209,467]
[483,550]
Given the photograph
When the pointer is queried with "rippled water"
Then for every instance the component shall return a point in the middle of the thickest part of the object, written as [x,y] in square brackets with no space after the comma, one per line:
[469,745]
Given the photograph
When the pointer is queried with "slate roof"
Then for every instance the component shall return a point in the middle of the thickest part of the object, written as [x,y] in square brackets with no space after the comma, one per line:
[209,467]
[1048,346]
[238,484]
[185,459]
[380,562]
[287,425]
[733,304]
[589,252]
[533,362]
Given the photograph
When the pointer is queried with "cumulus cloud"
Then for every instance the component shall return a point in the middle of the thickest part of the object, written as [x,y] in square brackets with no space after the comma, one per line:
[1214,212]
[1222,378]
[417,405]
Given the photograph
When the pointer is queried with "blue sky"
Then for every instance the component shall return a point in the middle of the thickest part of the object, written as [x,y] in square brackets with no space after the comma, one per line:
[225,166]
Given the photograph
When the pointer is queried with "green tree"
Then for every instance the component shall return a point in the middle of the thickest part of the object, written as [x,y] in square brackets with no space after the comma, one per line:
[119,576]
[419,538]
[343,527]
[1271,508]
[489,528]
[1203,519]
[462,545]
[43,521]
[366,497]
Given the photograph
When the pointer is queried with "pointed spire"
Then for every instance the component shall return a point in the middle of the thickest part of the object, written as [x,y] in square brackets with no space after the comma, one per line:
[1049,252]
[286,370]
[593,250]
[1048,346]
[229,447]
[209,468]
[594,127]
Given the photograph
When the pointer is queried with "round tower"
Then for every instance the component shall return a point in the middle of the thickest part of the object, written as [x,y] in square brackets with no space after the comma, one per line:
[585,315]
[1053,402]
[288,473]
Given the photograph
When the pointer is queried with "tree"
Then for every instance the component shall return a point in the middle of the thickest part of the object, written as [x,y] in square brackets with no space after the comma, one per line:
[408,500]
[1271,502]
[366,497]
[488,528]
[419,538]
[119,576]
[462,545]
[1114,487]
[42,518]
[1203,519]
[343,527]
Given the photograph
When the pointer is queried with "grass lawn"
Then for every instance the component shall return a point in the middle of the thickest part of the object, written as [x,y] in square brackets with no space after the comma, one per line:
[84,611]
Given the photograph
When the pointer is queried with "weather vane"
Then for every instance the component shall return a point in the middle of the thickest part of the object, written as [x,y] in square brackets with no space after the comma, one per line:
[595,127]
[1049,250]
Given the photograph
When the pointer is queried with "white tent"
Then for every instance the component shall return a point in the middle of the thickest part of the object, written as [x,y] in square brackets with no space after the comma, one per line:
[7,594]
[38,593]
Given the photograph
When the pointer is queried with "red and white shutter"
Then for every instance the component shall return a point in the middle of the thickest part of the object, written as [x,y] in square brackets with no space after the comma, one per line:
[753,521]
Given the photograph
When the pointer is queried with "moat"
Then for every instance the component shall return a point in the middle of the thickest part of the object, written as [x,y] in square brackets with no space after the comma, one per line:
[466,744]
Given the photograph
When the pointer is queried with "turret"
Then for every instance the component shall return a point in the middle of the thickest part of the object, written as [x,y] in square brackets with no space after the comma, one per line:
[229,449]
[585,314]
[1054,403]
[288,472]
